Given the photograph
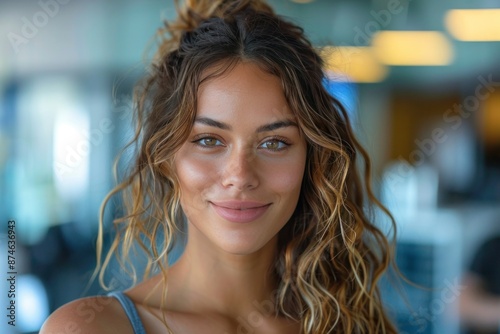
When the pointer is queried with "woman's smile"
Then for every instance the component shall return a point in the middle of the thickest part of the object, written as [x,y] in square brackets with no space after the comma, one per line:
[240,211]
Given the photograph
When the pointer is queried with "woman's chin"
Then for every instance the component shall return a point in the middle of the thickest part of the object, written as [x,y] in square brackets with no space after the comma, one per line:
[243,247]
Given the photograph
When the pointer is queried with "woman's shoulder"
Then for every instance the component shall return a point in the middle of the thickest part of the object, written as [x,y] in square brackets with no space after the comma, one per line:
[99,314]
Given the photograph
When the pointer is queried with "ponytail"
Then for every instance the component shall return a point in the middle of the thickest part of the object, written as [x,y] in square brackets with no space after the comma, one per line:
[193,12]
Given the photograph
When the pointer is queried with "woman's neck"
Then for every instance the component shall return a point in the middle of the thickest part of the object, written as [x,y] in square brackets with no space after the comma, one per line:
[208,279]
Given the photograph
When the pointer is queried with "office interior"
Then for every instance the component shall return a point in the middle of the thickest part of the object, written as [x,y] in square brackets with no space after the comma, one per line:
[419,79]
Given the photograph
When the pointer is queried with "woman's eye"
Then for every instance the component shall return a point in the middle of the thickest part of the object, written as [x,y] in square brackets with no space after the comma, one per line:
[208,142]
[274,145]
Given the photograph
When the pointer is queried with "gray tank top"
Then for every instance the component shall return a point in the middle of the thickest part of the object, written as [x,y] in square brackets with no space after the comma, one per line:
[130,310]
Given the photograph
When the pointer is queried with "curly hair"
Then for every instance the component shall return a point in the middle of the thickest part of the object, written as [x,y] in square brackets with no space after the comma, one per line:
[330,253]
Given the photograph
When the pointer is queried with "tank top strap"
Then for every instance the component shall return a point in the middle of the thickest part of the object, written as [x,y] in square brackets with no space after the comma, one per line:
[130,310]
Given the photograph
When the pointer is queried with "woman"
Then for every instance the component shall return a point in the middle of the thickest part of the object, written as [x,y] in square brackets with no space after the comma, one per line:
[239,141]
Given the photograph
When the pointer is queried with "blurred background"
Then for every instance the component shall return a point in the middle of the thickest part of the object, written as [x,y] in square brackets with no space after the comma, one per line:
[421,80]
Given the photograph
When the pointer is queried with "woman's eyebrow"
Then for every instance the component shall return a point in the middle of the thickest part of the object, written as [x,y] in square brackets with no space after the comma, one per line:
[276,125]
[264,128]
[212,122]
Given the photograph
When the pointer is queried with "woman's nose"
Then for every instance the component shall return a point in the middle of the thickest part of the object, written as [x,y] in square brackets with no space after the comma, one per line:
[240,170]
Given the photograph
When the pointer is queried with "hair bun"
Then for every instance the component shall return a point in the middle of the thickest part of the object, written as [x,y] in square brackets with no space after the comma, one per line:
[193,12]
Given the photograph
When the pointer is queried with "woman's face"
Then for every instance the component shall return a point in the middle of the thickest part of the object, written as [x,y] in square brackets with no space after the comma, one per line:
[241,169]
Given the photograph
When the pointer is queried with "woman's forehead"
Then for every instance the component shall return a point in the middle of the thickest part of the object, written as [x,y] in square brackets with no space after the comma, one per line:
[243,88]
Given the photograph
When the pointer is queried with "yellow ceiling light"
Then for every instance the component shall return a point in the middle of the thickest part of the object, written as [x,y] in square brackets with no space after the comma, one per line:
[412,48]
[474,24]
[357,64]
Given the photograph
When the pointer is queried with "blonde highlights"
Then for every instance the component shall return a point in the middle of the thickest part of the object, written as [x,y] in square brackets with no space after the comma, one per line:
[331,255]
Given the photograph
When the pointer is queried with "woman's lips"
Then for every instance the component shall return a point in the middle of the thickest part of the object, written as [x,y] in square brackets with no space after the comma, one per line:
[240,211]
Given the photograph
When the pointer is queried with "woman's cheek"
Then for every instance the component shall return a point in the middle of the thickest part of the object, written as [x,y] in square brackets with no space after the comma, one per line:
[196,178]
[287,182]
[286,175]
